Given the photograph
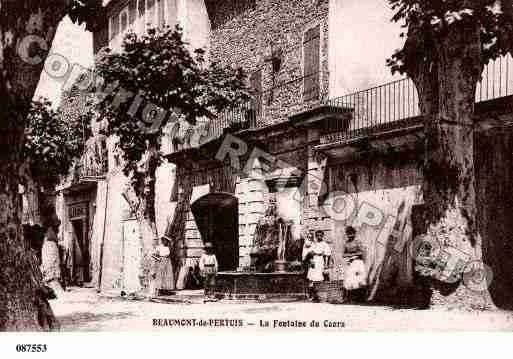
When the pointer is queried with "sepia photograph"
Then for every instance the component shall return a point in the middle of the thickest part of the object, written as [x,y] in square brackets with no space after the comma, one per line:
[261,166]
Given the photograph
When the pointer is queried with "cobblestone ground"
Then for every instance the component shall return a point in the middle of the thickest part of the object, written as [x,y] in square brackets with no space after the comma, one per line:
[83,310]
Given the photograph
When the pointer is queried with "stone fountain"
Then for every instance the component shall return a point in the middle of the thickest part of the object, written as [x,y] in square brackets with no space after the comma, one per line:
[275,273]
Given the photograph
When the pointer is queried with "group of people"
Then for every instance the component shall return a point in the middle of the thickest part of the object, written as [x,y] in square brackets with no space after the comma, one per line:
[317,258]
[44,250]
[163,271]
[316,255]
[59,265]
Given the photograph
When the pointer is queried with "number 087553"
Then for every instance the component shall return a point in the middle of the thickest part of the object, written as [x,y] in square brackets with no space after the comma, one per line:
[31,348]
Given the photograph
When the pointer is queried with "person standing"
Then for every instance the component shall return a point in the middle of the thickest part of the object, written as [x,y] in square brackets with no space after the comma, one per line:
[164,276]
[34,237]
[208,268]
[50,259]
[318,255]
[355,275]
[78,261]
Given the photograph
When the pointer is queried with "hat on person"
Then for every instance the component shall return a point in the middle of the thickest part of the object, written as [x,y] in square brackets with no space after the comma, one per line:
[166,240]
[350,230]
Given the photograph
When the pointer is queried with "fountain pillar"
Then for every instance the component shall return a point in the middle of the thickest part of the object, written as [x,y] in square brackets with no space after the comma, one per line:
[285,191]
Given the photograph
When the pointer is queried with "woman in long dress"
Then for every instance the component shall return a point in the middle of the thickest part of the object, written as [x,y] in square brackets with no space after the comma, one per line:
[355,275]
[164,277]
[50,262]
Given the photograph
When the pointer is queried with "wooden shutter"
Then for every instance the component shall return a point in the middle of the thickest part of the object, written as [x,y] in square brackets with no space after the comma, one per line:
[161,6]
[114,26]
[141,8]
[256,89]
[132,9]
[150,13]
[124,21]
[311,64]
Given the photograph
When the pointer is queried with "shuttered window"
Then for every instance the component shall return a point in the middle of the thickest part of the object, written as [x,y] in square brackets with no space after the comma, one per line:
[133,10]
[160,5]
[114,27]
[150,13]
[141,8]
[311,64]
[256,89]
[124,21]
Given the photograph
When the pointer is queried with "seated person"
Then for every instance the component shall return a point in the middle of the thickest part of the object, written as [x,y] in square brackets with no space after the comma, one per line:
[355,276]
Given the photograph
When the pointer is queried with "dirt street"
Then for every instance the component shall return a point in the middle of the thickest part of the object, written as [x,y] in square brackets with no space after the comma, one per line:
[83,310]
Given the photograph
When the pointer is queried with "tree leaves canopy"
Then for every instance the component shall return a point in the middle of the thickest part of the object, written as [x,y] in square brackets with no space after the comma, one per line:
[159,67]
[426,22]
[52,143]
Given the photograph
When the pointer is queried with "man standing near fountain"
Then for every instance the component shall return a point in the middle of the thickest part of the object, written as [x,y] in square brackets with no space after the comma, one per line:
[318,254]
[208,268]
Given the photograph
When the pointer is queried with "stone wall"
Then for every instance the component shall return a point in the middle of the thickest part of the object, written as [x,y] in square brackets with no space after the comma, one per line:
[244,39]
[379,193]
[494,170]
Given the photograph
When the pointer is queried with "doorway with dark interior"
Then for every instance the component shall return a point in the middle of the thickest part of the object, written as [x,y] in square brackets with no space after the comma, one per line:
[217,218]
[80,245]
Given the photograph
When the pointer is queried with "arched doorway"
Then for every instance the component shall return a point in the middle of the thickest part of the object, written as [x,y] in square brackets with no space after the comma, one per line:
[217,218]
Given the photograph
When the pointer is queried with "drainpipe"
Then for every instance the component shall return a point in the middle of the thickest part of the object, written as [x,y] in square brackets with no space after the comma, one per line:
[103,237]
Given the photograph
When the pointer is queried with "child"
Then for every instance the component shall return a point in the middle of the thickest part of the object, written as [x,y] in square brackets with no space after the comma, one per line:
[318,254]
[208,268]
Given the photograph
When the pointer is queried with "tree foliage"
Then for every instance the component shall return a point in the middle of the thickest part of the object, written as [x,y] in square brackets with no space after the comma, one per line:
[168,78]
[427,23]
[52,143]
[448,43]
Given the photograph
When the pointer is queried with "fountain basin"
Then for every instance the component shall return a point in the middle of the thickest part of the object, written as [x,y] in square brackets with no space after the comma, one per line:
[274,286]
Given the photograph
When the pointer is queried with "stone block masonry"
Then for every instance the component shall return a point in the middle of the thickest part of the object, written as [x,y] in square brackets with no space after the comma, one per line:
[244,39]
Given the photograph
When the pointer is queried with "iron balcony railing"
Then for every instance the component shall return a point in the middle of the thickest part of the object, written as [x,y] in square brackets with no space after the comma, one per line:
[92,172]
[381,108]
[93,164]
[396,104]
[273,105]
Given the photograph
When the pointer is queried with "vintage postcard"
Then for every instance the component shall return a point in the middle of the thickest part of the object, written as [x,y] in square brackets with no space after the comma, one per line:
[324,166]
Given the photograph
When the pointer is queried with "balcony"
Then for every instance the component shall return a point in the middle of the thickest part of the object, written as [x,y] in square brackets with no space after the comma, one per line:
[395,105]
[387,108]
[275,105]
[93,164]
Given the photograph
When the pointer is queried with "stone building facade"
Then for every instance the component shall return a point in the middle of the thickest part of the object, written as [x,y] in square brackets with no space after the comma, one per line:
[92,202]
[324,162]
[282,45]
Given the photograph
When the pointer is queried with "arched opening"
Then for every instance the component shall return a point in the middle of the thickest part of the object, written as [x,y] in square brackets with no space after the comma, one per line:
[217,218]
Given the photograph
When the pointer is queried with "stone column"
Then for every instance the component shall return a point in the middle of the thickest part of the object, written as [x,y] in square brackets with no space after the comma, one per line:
[289,200]
[251,193]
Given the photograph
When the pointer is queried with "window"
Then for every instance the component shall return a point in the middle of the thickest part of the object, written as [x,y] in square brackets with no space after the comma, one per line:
[124,21]
[161,13]
[138,15]
[140,8]
[311,55]
[118,27]
[151,12]
[133,11]
[114,27]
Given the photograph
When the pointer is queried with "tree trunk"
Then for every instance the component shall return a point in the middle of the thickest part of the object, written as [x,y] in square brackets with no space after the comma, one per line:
[447,95]
[31,204]
[142,203]
[21,306]
[148,223]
